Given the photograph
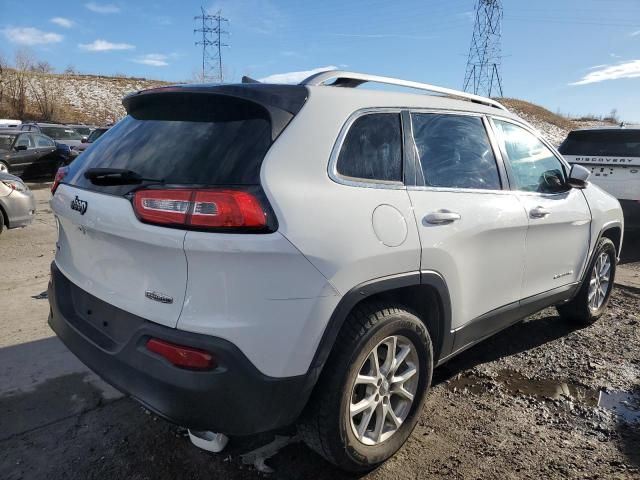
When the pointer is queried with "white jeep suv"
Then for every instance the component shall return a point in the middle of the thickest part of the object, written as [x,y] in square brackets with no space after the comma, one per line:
[240,258]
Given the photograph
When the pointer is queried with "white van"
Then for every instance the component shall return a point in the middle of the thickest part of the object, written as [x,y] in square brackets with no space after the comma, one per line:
[613,156]
[8,123]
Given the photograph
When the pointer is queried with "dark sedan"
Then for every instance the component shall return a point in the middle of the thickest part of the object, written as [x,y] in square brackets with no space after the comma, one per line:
[29,154]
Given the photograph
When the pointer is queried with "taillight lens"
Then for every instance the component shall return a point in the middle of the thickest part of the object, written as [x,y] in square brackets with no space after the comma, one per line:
[181,356]
[60,174]
[206,209]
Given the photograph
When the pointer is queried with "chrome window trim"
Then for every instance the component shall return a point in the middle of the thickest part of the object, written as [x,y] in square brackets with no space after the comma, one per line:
[498,159]
[337,147]
[525,126]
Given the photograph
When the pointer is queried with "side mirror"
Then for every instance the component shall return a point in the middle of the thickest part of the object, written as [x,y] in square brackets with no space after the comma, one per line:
[84,140]
[19,148]
[578,176]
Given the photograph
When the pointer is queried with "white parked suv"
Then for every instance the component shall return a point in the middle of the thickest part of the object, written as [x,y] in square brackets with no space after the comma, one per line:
[612,154]
[240,258]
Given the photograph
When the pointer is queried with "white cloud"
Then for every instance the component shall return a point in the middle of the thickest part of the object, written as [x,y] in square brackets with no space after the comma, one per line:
[104,46]
[30,36]
[295,77]
[153,60]
[629,69]
[62,22]
[634,34]
[102,7]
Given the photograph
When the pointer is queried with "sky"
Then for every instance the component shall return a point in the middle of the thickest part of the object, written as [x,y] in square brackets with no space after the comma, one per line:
[575,57]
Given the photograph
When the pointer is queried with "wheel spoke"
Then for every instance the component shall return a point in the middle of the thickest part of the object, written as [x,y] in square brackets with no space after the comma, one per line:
[394,418]
[401,357]
[362,405]
[404,376]
[403,392]
[391,344]
[375,362]
[365,421]
[380,418]
[366,380]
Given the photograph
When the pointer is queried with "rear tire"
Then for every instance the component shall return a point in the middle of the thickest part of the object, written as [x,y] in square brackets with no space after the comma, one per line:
[388,398]
[591,301]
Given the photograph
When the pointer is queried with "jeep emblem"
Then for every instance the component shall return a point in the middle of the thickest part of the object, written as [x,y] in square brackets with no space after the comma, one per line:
[79,205]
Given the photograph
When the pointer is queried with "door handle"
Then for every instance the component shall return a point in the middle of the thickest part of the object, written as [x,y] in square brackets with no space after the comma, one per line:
[441,217]
[539,212]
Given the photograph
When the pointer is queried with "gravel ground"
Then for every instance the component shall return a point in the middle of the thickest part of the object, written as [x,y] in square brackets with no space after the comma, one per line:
[523,404]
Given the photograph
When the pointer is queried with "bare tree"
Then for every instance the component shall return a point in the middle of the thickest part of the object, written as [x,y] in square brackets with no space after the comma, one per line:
[18,83]
[45,90]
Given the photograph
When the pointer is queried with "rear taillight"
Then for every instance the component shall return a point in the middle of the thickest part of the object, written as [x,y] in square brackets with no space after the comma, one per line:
[60,174]
[217,209]
[181,356]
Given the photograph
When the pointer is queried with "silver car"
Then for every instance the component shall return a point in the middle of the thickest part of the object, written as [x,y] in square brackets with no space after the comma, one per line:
[17,203]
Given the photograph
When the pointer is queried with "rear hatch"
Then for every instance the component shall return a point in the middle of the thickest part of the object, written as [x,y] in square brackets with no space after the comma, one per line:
[612,155]
[184,158]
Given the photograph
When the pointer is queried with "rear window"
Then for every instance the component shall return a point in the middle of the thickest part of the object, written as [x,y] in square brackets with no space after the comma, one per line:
[603,143]
[61,133]
[183,139]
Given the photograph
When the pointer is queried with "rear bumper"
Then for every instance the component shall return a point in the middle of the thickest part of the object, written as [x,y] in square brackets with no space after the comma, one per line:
[20,208]
[235,398]
[631,211]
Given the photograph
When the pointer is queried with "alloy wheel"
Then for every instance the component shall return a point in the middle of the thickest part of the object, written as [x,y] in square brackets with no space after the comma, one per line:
[384,389]
[599,282]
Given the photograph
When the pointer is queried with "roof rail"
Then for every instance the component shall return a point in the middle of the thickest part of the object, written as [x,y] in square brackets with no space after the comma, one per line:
[352,80]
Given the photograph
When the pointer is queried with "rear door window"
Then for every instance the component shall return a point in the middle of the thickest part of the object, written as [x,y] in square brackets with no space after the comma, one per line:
[454,152]
[26,140]
[182,139]
[602,143]
[43,142]
[372,149]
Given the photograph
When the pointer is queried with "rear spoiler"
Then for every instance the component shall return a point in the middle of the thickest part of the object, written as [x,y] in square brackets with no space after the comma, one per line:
[282,102]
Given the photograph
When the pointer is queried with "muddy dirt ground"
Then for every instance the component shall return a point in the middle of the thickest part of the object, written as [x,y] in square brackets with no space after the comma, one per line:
[524,404]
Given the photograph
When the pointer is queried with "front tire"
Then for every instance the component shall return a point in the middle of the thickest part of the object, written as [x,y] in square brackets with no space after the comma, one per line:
[591,300]
[372,389]
[4,168]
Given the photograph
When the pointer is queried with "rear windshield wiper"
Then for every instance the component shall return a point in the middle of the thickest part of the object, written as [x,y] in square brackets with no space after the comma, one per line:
[116,176]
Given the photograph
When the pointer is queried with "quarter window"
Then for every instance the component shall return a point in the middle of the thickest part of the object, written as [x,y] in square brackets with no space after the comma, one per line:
[534,167]
[372,150]
[454,152]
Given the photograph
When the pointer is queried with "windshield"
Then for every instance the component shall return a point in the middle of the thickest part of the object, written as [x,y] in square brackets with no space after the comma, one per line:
[97,133]
[603,143]
[6,140]
[61,133]
[183,139]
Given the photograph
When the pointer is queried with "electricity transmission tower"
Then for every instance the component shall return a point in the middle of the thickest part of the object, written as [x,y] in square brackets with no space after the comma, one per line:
[211,28]
[482,75]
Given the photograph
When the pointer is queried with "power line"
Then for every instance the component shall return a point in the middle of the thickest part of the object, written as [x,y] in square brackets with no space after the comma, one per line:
[212,31]
[482,75]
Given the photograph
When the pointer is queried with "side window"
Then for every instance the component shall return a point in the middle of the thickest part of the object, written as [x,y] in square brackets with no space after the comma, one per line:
[42,141]
[26,140]
[372,149]
[535,168]
[454,151]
